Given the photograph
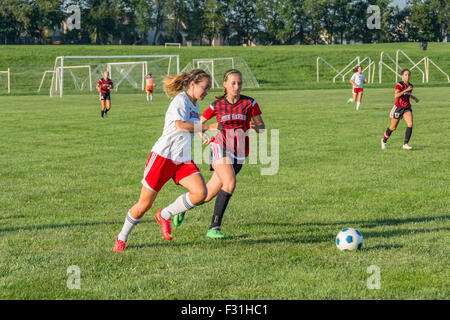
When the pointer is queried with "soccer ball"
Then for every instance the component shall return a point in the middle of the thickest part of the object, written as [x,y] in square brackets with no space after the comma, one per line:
[349,239]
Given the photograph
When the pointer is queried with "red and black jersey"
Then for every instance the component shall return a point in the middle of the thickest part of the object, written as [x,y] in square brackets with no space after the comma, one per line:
[403,101]
[105,85]
[235,119]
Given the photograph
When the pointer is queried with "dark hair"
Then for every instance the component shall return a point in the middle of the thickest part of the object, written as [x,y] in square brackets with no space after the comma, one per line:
[404,70]
[225,78]
[356,69]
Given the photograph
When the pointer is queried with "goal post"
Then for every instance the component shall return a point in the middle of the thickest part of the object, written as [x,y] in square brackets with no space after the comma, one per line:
[5,80]
[172,44]
[216,67]
[79,74]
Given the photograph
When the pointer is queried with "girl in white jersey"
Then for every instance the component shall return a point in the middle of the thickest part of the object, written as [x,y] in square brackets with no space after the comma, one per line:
[171,155]
[357,81]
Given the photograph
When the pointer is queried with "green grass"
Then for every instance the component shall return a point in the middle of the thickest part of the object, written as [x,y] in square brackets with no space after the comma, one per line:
[275,67]
[68,178]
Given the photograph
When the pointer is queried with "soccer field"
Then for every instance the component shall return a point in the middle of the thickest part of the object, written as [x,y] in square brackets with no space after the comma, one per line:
[68,178]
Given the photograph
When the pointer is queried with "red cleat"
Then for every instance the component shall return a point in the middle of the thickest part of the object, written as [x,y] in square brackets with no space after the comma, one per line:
[165,225]
[119,245]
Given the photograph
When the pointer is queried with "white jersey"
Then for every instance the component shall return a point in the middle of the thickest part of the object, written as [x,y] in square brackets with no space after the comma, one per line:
[358,79]
[174,144]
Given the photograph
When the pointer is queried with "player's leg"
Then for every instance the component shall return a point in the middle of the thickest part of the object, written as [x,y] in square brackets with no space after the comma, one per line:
[108,106]
[353,98]
[135,215]
[148,94]
[359,98]
[388,132]
[225,173]
[409,127]
[151,94]
[102,103]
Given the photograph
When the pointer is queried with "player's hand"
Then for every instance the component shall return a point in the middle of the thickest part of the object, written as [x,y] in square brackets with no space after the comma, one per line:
[416,100]
[252,125]
[206,139]
[409,89]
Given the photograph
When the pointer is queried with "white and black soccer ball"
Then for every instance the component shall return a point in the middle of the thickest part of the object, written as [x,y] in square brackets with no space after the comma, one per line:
[349,239]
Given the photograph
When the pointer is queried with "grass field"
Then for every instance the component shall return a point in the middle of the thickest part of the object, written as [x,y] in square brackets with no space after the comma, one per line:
[68,178]
[275,67]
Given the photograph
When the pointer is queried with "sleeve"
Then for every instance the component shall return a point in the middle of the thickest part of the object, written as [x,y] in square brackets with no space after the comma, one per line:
[99,83]
[177,109]
[256,111]
[398,87]
[353,78]
[209,113]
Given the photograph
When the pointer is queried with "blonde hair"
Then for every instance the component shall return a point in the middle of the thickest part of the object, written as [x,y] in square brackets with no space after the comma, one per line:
[173,85]
[225,78]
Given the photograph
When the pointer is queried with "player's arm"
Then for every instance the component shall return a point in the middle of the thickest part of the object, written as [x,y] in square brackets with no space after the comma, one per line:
[353,83]
[415,98]
[258,124]
[192,127]
[399,93]
[98,87]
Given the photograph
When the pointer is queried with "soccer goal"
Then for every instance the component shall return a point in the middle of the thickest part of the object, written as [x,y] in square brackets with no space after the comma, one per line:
[80,74]
[5,81]
[216,67]
[366,63]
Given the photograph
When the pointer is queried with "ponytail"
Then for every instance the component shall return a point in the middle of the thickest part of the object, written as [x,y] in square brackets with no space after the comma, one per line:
[173,85]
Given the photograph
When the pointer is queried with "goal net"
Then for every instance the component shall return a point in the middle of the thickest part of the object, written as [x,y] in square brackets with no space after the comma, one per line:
[216,67]
[80,74]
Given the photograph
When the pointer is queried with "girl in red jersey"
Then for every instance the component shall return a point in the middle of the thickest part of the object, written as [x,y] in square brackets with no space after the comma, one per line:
[401,109]
[171,156]
[104,87]
[230,147]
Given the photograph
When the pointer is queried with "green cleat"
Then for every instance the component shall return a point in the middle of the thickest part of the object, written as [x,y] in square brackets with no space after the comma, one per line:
[178,219]
[215,234]
[349,101]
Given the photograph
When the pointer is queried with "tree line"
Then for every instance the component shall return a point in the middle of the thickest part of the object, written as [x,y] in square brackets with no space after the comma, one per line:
[237,22]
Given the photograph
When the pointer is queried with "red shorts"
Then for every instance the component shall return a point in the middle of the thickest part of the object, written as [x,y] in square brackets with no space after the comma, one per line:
[149,88]
[159,170]
[357,90]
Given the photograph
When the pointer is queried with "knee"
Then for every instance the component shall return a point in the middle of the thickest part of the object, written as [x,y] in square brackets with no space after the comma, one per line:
[198,196]
[143,206]
[229,185]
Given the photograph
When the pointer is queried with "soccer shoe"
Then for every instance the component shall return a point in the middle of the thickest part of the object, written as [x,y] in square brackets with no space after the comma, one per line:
[383,144]
[215,234]
[165,225]
[406,147]
[119,245]
[178,219]
[349,101]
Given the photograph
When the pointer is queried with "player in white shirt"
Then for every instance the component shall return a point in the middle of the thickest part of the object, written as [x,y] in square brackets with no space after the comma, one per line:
[357,81]
[171,155]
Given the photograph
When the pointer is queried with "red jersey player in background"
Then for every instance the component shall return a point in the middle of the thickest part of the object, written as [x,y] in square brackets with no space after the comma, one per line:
[149,83]
[230,147]
[401,109]
[103,87]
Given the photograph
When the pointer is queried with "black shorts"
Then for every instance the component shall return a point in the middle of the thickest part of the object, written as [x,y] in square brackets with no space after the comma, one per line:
[105,96]
[397,112]
[236,166]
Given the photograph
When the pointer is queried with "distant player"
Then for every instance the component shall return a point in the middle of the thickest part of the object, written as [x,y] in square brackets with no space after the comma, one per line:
[104,86]
[171,158]
[401,109]
[149,83]
[357,81]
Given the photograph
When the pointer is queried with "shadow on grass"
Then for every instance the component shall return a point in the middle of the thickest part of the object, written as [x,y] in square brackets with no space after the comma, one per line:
[56,226]
[361,223]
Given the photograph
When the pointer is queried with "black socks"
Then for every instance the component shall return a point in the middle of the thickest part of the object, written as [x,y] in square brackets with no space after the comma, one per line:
[220,206]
